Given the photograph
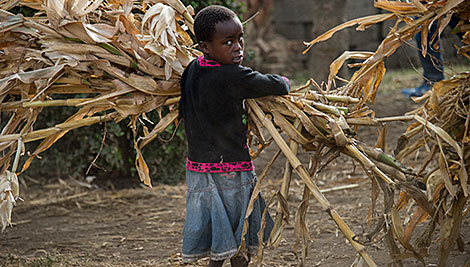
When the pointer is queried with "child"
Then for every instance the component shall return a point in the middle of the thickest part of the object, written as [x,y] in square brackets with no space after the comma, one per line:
[220,175]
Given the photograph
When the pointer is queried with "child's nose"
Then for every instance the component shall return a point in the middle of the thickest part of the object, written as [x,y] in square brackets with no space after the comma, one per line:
[238,46]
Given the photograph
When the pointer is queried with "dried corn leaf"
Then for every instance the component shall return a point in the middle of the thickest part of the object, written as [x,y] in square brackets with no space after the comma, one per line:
[363,22]
[400,234]
[289,129]
[160,127]
[448,5]
[396,6]
[339,62]
[446,137]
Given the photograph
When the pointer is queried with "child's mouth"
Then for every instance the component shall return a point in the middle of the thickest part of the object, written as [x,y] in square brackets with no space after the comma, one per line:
[238,59]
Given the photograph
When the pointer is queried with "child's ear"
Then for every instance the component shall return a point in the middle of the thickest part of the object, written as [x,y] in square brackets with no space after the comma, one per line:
[203,46]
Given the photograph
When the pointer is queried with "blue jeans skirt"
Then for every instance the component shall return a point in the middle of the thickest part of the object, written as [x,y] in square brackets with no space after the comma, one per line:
[216,205]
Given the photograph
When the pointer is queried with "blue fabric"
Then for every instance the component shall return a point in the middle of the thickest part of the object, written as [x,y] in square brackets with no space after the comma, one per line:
[216,205]
[418,91]
[432,62]
[433,70]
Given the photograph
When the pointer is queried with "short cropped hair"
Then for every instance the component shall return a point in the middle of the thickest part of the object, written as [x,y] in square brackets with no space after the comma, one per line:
[207,18]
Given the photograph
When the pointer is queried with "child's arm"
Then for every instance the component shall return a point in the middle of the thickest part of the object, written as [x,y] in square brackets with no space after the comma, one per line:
[252,84]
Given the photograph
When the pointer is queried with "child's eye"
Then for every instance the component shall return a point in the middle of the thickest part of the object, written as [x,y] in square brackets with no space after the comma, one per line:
[229,42]
[240,39]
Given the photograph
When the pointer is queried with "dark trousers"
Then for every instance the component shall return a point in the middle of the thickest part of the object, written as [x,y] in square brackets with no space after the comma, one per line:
[433,70]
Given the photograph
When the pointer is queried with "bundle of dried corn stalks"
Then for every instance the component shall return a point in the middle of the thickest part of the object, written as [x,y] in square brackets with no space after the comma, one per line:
[441,129]
[126,57]
[438,195]
[130,64]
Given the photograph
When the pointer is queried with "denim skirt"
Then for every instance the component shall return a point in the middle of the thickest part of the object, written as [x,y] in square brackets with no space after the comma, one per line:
[216,205]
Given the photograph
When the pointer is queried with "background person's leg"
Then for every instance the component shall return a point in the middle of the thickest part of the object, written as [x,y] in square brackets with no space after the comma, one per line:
[433,69]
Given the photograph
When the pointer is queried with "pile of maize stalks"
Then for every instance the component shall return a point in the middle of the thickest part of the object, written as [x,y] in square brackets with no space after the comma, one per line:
[129,56]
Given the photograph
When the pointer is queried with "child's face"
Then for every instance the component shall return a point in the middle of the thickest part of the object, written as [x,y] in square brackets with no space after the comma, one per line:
[226,46]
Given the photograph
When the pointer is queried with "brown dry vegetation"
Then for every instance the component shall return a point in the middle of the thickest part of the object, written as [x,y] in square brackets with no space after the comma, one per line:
[133,67]
[63,223]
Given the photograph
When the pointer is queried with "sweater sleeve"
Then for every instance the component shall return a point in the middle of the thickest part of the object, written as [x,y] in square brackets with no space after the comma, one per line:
[245,83]
[183,80]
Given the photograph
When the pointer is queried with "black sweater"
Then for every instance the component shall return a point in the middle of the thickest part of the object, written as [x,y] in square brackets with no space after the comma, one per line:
[212,106]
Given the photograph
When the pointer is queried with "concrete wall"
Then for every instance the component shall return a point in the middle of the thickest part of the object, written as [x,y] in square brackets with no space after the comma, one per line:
[293,20]
[301,21]
[363,40]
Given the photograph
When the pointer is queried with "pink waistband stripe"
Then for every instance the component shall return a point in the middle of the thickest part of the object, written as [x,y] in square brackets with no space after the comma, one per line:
[239,166]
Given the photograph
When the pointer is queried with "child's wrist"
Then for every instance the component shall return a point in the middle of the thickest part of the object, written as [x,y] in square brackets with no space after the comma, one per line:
[285,79]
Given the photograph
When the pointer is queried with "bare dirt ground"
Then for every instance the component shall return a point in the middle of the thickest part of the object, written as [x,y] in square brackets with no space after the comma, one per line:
[73,223]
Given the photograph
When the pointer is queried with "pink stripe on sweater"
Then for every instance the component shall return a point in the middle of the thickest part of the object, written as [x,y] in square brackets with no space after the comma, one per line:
[240,166]
[207,62]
